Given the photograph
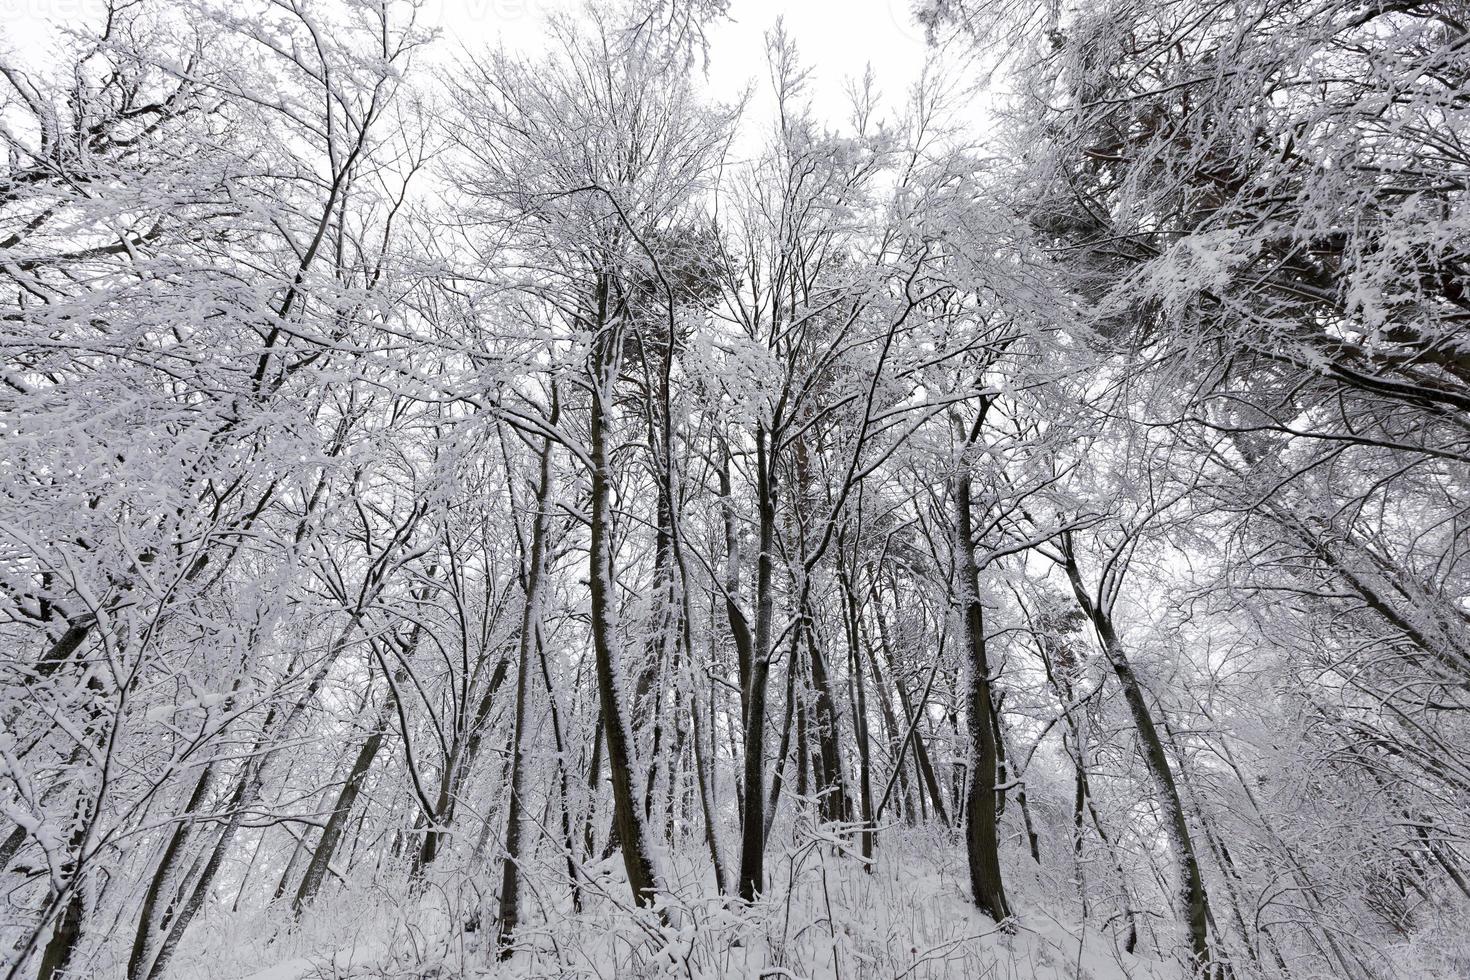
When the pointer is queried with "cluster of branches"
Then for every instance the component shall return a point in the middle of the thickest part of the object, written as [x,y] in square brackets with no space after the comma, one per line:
[461,478]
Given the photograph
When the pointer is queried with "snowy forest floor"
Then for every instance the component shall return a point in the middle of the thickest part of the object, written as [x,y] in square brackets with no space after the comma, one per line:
[823,917]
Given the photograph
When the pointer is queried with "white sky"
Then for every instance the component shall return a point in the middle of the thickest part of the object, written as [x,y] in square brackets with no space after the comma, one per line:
[838,38]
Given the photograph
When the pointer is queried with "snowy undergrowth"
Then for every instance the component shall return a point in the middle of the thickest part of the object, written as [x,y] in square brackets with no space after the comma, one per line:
[824,917]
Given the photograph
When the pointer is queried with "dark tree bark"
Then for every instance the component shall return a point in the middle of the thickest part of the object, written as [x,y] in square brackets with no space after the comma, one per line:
[794,696]
[982,844]
[627,812]
[1194,906]
[509,916]
[890,723]
[753,826]
[335,830]
[860,714]
[831,786]
[321,858]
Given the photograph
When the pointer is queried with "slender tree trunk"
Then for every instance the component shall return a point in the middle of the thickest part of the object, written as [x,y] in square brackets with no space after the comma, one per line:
[921,754]
[1004,775]
[1194,906]
[890,723]
[563,779]
[831,786]
[778,778]
[326,848]
[753,837]
[594,776]
[298,849]
[734,615]
[627,812]
[66,935]
[321,858]
[702,776]
[1082,806]
[247,788]
[982,843]
[464,752]
[860,717]
[164,874]
[509,917]
[1084,790]
[916,741]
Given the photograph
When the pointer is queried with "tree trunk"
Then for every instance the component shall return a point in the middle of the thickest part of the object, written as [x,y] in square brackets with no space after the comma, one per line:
[464,752]
[509,916]
[1193,902]
[982,843]
[831,785]
[860,718]
[563,779]
[752,830]
[885,704]
[246,790]
[778,778]
[321,857]
[627,812]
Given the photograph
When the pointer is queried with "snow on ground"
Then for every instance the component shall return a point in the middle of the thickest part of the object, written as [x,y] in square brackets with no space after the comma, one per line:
[824,919]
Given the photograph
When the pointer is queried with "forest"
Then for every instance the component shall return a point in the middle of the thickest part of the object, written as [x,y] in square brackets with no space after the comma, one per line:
[474,511]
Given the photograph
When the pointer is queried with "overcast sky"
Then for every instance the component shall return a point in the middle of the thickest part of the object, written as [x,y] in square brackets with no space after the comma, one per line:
[837,37]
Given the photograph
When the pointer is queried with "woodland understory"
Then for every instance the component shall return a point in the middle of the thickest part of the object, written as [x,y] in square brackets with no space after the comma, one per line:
[479,512]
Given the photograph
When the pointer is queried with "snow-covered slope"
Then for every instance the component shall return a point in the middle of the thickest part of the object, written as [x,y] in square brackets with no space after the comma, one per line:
[825,917]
